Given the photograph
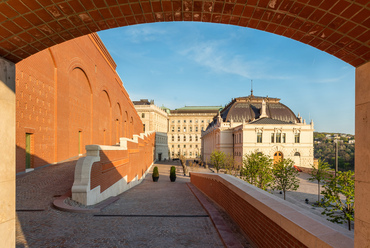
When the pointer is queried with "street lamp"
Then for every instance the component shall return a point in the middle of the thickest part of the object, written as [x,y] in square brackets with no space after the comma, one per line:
[336,156]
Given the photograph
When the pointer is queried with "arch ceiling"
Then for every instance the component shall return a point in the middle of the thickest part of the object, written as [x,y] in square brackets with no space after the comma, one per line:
[338,27]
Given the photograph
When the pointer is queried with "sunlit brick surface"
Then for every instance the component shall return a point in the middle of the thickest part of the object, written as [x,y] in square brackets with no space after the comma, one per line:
[338,27]
[67,97]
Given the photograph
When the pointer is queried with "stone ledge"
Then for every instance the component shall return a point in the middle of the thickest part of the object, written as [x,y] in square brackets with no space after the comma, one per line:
[62,206]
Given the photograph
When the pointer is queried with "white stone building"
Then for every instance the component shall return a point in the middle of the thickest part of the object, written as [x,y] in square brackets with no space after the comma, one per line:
[185,127]
[262,124]
[154,119]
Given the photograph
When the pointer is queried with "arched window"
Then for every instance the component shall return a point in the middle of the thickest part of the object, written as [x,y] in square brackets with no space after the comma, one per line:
[297,154]
[173,138]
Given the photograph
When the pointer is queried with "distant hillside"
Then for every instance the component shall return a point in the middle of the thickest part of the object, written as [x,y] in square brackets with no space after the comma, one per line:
[324,148]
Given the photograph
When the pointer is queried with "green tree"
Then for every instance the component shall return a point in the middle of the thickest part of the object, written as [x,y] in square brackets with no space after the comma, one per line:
[285,176]
[230,165]
[320,174]
[338,210]
[256,170]
[218,159]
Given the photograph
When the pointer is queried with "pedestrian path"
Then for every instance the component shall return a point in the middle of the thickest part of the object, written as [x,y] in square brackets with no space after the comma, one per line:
[161,214]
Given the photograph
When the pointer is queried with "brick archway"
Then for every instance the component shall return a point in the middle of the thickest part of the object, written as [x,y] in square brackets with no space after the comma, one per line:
[338,27]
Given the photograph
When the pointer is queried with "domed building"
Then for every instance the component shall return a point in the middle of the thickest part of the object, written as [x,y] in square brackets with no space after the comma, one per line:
[262,124]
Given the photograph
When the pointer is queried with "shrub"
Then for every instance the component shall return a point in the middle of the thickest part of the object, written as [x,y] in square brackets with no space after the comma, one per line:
[173,171]
[155,172]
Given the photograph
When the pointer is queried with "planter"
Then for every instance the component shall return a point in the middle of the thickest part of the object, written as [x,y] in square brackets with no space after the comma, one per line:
[155,179]
[173,178]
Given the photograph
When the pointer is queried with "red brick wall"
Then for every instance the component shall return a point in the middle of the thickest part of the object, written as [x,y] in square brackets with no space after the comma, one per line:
[260,229]
[66,89]
[116,164]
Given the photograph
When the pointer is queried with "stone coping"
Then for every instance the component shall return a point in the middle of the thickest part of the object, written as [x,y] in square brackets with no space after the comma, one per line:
[60,204]
[287,215]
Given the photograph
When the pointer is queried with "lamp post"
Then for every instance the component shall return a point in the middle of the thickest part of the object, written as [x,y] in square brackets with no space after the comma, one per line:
[336,156]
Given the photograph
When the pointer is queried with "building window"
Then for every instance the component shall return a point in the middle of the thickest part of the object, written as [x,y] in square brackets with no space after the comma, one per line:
[196,121]
[191,121]
[272,138]
[190,153]
[259,137]
[173,146]
[143,115]
[184,129]
[202,121]
[143,127]
[173,137]
[173,121]
[284,137]
[178,129]
[184,121]
[184,146]
[297,154]
[173,154]
[196,129]
[202,128]
[178,121]
[196,137]
[278,138]
[191,138]
[178,146]
[296,138]
[191,146]
[184,138]
[190,129]
[173,129]
[178,138]
[196,146]
[184,153]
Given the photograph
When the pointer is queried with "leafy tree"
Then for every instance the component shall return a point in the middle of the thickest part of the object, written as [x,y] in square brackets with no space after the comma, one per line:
[320,174]
[285,176]
[230,164]
[335,208]
[218,159]
[257,170]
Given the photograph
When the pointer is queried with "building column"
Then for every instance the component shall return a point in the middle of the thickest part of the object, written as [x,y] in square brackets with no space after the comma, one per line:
[7,153]
[362,157]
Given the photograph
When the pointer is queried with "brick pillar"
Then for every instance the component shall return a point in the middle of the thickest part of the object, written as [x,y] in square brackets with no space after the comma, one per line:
[7,153]
[362,157]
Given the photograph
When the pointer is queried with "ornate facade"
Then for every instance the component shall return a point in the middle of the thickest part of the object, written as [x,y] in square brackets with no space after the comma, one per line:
[262,124]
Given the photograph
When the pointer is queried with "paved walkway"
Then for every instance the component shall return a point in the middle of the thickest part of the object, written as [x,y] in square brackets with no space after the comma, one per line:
[161,214]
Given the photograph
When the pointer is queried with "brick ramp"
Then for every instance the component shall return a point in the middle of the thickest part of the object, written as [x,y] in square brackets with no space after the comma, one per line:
[162,214]
[227,235]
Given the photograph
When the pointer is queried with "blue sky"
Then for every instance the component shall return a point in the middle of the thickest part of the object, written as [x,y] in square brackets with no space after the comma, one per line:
[196,64]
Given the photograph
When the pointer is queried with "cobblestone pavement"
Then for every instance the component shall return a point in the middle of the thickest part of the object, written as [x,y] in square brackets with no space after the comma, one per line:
[162,214]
